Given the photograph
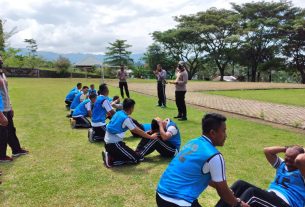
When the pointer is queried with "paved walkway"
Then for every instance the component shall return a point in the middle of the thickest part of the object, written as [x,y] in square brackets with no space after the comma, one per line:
[282,114]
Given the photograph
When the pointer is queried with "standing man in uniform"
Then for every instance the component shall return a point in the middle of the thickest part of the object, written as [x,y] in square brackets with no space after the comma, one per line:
[180,84]
[8,133]
[161,80]
[122,76]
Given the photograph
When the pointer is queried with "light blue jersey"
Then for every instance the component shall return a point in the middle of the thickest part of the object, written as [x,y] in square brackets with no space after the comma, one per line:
[115,125]
[81,109]
[76,101]
[92,91]
[1,104]
[70,96]
[184,179]
[176,139]
[99,113]
[290,184]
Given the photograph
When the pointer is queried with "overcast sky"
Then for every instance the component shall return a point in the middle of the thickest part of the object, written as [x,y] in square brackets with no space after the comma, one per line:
[87,26]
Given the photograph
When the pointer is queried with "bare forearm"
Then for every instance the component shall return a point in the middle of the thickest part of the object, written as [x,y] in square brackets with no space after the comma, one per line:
[141,133]
[271,153]
[3,120]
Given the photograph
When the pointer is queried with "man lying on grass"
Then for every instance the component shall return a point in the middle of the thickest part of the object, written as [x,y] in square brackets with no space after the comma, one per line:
[288,187]
[196,166]
[169,140]
[82,111]
[117,152]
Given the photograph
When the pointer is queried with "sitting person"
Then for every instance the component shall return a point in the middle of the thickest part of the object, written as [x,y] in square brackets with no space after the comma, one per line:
[70,96]
[116,103]
[197,165]
[288,187]
[80,97]
[101,110]
[169,140]
[82,111]
[117,152]
[92,89]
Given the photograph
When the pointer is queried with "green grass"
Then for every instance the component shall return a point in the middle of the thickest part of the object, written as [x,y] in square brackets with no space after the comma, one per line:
[282,96]
[64,169]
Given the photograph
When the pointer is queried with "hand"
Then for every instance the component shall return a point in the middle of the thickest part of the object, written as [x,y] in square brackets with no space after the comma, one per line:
[154,136]
[243,204]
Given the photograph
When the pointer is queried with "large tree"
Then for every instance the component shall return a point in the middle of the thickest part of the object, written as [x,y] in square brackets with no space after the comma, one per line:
[293,40]
[156,54]
[182,44]
[117,53]
[260,22]
[217,32]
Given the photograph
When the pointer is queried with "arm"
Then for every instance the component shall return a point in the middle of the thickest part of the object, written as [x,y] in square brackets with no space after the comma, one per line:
[166,135]
[3,120]
[271,153]
[183,81]
[141,133]
[300,163]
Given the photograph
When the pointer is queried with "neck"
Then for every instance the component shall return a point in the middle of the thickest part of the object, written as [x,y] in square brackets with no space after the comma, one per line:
[208,136]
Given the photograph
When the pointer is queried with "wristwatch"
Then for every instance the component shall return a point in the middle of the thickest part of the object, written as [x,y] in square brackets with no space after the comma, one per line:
[238,204]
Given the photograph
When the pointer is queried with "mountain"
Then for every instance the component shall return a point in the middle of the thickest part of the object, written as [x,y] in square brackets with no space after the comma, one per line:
[76,57]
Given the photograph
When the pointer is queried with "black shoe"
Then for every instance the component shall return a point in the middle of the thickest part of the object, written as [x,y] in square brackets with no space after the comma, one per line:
[178,117]
[182,119]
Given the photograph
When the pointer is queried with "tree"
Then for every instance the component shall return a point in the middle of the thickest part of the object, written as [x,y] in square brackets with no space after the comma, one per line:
[4,36]
[156,54]
[32,49]
[260,22]
[218,34]
[293,41]
[181,44]
[62,64]
[117,53]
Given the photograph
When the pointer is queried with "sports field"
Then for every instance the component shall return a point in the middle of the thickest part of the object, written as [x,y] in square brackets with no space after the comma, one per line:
[294,97]
[64,169]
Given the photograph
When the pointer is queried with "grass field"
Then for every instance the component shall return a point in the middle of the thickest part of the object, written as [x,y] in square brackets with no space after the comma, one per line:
[282,96]
[64,169]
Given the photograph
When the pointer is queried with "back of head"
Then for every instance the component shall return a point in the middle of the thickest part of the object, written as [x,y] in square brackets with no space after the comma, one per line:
[298,149]
[85,87]
[79,85]
[212,121]
[115,98]
[154,125]
[128,103]
[92,95]
[92,86]
[103,89]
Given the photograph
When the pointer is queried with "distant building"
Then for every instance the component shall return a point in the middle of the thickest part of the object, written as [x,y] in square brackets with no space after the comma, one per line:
[226,78]
[89,64]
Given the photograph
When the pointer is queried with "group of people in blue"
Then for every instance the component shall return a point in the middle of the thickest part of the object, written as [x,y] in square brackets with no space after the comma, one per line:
[194,167]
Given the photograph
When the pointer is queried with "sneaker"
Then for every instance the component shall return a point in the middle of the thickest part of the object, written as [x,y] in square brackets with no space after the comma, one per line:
[158,105]
[21,152]
[106,159]
[73,123]
[163,106]
[6,159]
[91,135]
[183,119]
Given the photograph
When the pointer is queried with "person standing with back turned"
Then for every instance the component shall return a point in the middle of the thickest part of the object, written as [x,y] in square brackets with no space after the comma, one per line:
[122,76]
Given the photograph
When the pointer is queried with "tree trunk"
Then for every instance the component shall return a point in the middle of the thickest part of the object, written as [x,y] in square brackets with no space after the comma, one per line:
[270,76]
[222,73]
[253,73]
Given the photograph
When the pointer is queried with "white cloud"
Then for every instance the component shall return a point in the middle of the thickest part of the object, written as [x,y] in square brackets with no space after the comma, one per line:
[87,26]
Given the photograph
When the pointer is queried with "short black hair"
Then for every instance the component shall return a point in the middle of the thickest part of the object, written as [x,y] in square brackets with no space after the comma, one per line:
[79,85]
[92,95]
[128,103]
[154,125]
[103,88]
[91,85]
[115,98]
[212,121]
[85,87]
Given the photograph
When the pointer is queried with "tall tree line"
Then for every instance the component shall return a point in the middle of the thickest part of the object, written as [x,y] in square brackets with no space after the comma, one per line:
[261,37]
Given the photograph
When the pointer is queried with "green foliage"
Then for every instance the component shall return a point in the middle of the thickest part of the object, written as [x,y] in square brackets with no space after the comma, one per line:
[117,54]
[62,64]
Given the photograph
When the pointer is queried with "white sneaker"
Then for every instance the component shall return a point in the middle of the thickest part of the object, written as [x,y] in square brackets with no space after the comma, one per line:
[106,159]
[90,135]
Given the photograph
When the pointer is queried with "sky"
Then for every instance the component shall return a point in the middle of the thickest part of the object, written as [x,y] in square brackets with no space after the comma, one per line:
[87,26]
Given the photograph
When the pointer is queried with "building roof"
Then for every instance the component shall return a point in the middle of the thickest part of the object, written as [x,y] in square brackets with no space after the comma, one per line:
[89,61]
